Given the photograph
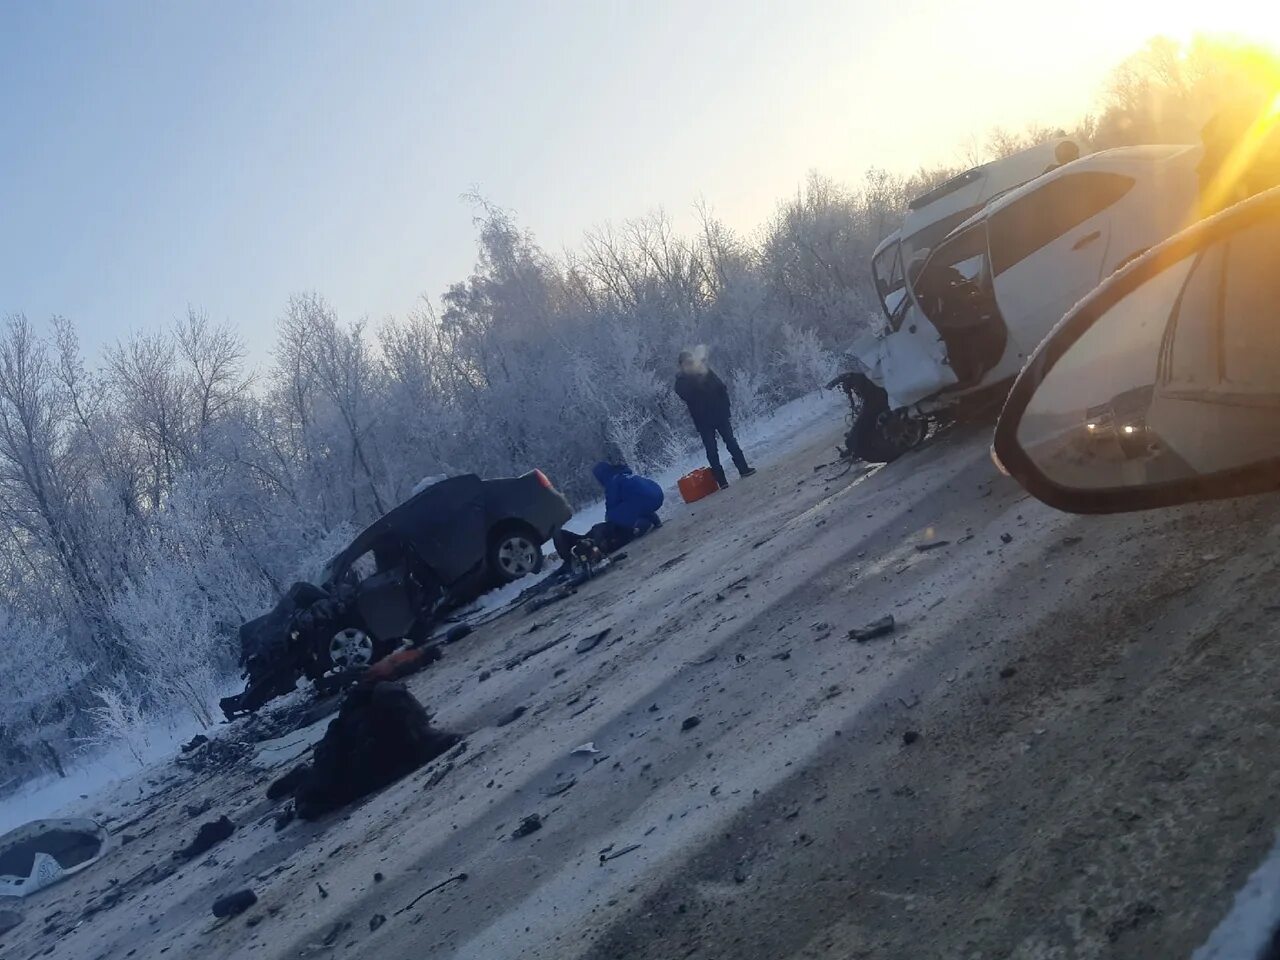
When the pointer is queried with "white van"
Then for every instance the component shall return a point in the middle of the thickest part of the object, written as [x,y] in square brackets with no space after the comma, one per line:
[986,295]
[932,216]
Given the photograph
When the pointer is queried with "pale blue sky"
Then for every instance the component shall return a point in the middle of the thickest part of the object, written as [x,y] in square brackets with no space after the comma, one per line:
[227,154]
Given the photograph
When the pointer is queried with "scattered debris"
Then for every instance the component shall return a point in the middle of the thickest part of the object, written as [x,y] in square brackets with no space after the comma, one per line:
[1008,672]
[782,655]
[214,755]
[199,740]
[672,562]
[324,894]
[234,904]
[690,722]
[198,809]
[1072,541]
[376,921]
[539,603]
[606,856]
[530,654]
[702,661]
[833,691]
[484,675]
[207,837]
[512,717]
[910,737]
[285,817]
[739,659]
[879,628]
[587,644]
[381,733]
[530,824]
[1006,538]
[459,878]
[932,545]
[457,633]
[588,747]
[563,787]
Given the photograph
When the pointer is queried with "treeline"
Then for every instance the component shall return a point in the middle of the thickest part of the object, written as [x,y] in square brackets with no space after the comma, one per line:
[158,495]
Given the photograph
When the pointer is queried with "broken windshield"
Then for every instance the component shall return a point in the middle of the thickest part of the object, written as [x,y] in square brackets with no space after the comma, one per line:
[891,287]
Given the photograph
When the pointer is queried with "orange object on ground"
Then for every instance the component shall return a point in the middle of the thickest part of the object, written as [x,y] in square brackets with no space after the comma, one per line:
[697,484]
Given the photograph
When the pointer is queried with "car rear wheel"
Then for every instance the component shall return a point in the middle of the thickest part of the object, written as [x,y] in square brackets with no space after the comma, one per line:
[514,553]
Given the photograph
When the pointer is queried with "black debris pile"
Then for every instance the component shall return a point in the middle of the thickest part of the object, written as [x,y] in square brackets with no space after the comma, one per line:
[879,628]
[690,722]
[530,824]
[213,755]
[587,644]
[381,734]
[199,740]
[207,837]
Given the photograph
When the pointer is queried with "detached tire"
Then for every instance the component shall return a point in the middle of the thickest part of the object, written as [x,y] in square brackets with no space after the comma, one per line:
[881,435]
[514,552]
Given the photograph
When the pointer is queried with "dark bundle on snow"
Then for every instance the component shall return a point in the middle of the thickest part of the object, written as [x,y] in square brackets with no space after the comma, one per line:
[380,734]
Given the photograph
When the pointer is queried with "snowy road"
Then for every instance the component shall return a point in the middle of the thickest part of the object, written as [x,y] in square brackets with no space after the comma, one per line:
[1090,705]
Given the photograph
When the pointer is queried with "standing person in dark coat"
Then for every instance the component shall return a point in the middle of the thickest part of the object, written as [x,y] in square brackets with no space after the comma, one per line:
[708,401]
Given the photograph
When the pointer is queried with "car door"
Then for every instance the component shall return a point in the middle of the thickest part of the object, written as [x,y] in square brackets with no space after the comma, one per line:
[386,597]
[1047,251]
[446,527]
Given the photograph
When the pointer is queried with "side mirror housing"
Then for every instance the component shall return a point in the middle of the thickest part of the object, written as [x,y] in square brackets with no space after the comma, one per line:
[1163,385]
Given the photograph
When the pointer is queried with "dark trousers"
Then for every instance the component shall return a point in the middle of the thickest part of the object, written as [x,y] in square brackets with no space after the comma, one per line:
[607,536]
[708,433]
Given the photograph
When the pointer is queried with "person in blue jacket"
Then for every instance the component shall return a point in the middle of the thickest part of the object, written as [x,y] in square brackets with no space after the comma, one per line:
[631,504]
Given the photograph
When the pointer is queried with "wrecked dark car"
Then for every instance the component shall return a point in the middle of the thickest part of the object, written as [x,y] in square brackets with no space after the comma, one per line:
[443,547]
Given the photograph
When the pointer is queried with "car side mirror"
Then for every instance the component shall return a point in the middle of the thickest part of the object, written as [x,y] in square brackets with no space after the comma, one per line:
[1163,385]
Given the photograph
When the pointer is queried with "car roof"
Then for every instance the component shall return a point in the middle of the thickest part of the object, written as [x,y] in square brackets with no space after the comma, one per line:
[1115,160]
[397,518]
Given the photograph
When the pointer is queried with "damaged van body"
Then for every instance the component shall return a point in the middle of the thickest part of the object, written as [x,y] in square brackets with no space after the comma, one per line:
[444,546]
[973,309]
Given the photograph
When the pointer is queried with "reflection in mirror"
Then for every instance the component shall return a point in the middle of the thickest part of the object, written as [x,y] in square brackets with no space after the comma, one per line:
[1180,379]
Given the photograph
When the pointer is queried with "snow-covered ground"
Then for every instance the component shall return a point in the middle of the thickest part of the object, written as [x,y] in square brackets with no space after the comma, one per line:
[764,441]
[113,770]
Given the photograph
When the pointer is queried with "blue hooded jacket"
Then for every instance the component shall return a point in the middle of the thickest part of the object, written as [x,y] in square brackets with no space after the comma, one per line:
[630,501]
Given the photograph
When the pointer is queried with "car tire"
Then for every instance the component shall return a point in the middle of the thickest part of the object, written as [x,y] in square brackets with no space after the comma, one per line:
[514,552]
[881,435]
[333,642]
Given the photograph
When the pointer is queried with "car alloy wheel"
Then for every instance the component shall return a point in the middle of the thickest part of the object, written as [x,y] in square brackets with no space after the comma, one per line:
[517,556]
[350,649]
